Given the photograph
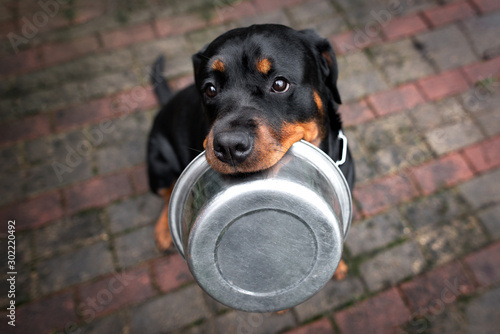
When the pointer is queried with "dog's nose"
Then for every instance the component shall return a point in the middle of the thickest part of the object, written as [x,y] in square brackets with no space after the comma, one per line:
[232,147]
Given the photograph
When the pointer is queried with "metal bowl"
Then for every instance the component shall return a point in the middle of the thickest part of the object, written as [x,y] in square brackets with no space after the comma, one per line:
[265,241]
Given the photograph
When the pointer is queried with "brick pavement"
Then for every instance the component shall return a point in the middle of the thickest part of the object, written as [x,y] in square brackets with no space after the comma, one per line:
[420,81]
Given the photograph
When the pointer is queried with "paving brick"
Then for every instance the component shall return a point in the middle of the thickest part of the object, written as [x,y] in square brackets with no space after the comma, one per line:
[21,62]
[93,111]
[116,131]
[404,27]
[354,63]
[489,218]
[447,47]
[360,12]
[136,247]
[485,155]
[258,323]
[54,53]
[233,12]
[169,47]
[50,175]
[383,193]
[365,170]
[69,149]
[432,115]
[115,292]
[392,266]
[76,70]
[112,324]
[359,85]
[112,158]
[353,40]
[26,128]
[326,27]
[163,314]
[356,113]
[480,71]
[266,6]
[97,192]
[374,233]
[481,99]
[485,29]
[200,37]
[308,13]
[37,151]
[11,158]
[486,6]
[451,239]
[452,137]
[133,212]
[334,294]
[79,266]
[69,232]
[111,83]
[34,212]
[140,179]
[403,97]
[401,61]
[490,122]
[322,326]
[444,172]
[129,35]
[439,319]
[171,272]
[179,24]
[483,313]
[482,190]
[278,17]
[431,210]
[382,314]
[443,85]
[13,181]
[137,99]
[443,285]
[396,129]
[45,100]
[484,265]
[41,314]
[452,12]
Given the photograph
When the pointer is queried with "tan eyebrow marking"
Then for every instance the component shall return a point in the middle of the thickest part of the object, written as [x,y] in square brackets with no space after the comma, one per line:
[318,101]
[218,65]
[264,65]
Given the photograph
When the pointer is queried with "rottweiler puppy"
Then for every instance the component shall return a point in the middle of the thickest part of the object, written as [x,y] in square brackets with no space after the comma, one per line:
[257,91]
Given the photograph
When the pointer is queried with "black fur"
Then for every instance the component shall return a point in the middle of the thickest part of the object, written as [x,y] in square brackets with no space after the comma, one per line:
[305,59]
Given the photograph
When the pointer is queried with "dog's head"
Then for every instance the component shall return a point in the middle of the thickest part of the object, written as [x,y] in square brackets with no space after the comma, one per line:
[264,88]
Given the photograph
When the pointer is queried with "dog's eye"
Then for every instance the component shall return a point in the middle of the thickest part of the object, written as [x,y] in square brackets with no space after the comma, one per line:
[280,85]
[211,91]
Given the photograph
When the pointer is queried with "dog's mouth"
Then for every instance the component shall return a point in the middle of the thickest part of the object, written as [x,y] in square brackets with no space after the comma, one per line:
[241,151]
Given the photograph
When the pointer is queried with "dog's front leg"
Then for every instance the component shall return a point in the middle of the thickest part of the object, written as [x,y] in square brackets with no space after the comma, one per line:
[162,229]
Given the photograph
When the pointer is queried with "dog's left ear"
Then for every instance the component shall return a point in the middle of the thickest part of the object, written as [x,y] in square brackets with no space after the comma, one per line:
[328,61]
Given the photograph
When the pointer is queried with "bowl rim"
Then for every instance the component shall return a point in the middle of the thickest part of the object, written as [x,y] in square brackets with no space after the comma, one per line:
[199,165]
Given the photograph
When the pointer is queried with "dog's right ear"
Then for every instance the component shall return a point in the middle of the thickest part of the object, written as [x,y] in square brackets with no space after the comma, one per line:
[197,59]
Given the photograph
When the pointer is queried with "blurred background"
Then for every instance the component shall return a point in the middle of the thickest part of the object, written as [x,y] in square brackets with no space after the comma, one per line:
[420,90]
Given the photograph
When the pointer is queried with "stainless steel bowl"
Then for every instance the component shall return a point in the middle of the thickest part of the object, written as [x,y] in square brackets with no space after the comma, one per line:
[265,241]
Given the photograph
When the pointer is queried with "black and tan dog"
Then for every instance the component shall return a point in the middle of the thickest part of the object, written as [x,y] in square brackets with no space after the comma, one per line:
[257,91]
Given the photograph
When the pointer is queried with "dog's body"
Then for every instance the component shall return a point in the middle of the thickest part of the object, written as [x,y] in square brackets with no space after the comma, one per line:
[257,91]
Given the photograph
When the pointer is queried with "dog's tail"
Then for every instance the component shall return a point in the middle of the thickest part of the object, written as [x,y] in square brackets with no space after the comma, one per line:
[160,85]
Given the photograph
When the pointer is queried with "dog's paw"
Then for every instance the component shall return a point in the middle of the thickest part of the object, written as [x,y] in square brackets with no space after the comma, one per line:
[162,232]
[341,271]
[163,238]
